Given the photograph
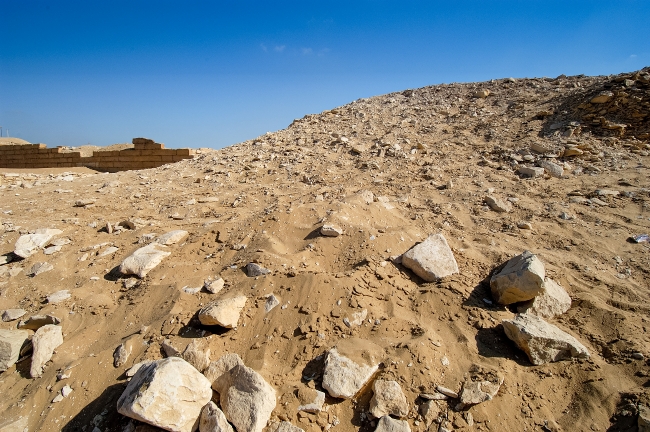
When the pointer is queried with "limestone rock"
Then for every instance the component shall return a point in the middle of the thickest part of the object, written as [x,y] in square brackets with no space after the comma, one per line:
[271,302]
[479,388]
[213,287]
[213,419]
[246,398]
[253,270]
[331,231]
[552,302]
[349,366]
[14,425]
[285,426]
[356,319]
[553,169]
[37,321]
[498,205]
[58,297]
[388,399]
[39,268]
[143,260]
[11,342]
[45,341]
[121,354]
[172,237]
[531,171]
[311,400]
[432,259]
[541,341]
[28,244]
[167,393]
[223,312]
[521,279]
[387,424]
[429,411]
[643,421]
[12,314]
[221,366]
[196,356]
[136,367]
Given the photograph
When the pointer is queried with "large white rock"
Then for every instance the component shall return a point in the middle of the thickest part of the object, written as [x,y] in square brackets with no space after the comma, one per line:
[330,230]
[223,312]
[143,260]
[28,244]
[349,366]
[285,426]
[246,398]
[432,259]
[213,419]
[171,237]
[552,302]
[197,355]
[167,393]
[521,279]
[388,399]
[45,341]
[541,341]
[11,341]
[387,424]
[12,314]
[14,425]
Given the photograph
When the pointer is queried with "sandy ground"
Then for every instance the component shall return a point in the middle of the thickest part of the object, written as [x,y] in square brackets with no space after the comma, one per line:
[430,157]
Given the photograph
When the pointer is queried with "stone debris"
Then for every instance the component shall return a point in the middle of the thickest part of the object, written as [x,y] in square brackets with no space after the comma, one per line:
[311,400]
[387,424]
[195,355]
[432,259]
[14,425]
[223,312]
[447,392]
[58,296]
[388,399]
[271,302]
[643,421]
[521,279]
[167,393]
[430,411]
[215,286]
[11,343]
[28,244]
[246,398]
[108,251]
[213,419]
[39,268]
[483,385]
[553,169]
[498,205]
[331,231]
[285,426]
[143,260]
[12,314]
[64,393]
[37,321]
[172,237]
[121,354]
[45,341]
[531,171]
[349,366]
[552,302]
[357,318]
[542,342]
[253,270]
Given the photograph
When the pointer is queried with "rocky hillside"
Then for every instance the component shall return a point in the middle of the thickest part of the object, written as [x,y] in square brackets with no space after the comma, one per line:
[363,269]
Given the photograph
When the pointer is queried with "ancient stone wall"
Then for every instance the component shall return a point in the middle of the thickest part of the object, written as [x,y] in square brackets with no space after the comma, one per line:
[145,154]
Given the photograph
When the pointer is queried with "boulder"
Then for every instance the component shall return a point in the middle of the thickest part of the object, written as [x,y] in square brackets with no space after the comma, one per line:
[143,260]
[246,398]
[388,399]
[223,312]
[167,393]
[11,342]
[28,244]
[172,237]
[432,259]
[331,231]
[213,419]
[541,341]
[349,366]
[387,424]
[45,341]
[552,302]
[221,366]
[196,356]
[12,314]
[521,279]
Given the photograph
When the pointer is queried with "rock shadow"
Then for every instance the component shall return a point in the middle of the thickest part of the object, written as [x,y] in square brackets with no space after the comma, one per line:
[101,413]
[313,234]
[493,342]
[114,275]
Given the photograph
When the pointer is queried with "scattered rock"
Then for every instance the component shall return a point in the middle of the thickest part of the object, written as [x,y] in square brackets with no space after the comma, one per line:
[223,312]
[388,399]
[121,354]
[498,205]
[271,302]
[482,386]
[58,296]
[213,419]
[432,259]
[553,169]
[521,279]
[109,251]
[167,393]
[37,321]
[541,341]
[12,314]
[429,411]
[285,426]
[28,244]
[643,421]
[331,231]
[45,341]
[553,301]
[172,237]
[11,342]
[349,366]
[356,320]
[531,171]
[482,94]
[311,400]
[602,97]
[88,202]
[253,270]
[213,287]
[387,424]
[221,366]
[39,268]
[196,356]
[143,260]
[447,392]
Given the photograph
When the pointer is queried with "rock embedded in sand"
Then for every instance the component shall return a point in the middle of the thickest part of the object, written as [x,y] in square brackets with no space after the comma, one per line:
[221,366]
[429,411]
[167,393]
[521,279]
[37,321]
[552,302]
[388,399]
[349,366]
[246,398]
[195,355]
[271,302]
[121,354]
[331,231]
[45,341]
[11,342]
[541,341]
[387,424]
[213,419]
[143,260]
[432,259]
[213,287]
[58,297]
[311,400]
[172,237]
[285,426]
[28,244]
[531,171]
[12,314]
[498,205]
[479,391]
[253,270]
[553,169]
[39,268]
[223,312]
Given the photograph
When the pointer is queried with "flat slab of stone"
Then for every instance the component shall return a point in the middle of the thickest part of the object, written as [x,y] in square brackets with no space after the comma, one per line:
[520,280]
[552,302]
[285,426]
[223,312]
[38,268]
[28,244]
[143,260]
[311,400]
[35,322]
[349,366]
[387,424]
[172,237]
[432,259]
[531,171]
[331,231]
[11,342]
[58,297]
[388,399]
[12,314]
[45,341]
[167,393]
[542,342]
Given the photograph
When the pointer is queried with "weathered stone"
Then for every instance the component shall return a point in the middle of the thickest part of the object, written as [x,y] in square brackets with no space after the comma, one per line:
[432,259]
[553,169]
[331,231]
[136,367]
[172,237]
[356,318]
[429,411]
[45,341]
[253,270]
[498,205]
[476,392]
[388,399]
[39,268]
[447,392]
[58,297]
[521,279]
[28,244]
[11,342]
[602,97]
[541,341]
[221,366]
[271,302]
[19,424]
[143,260]
[213,419]
[552,302]
[223,312]
[387,424]
[246,398]
[285,426]
[213,287]
[12,314]
[37,321]
[121,354]
[167,393]
[311,400]
[169,349]
[531,171]
[643,422]
[349,366]
[196,356]
[482,94]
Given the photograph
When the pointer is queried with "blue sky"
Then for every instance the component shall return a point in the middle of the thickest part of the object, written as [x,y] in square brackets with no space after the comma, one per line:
[214,73]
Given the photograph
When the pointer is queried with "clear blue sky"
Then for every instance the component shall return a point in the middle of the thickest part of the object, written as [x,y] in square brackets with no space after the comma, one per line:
[214,73]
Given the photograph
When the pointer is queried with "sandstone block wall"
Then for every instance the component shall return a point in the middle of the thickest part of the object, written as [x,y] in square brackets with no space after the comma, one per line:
[146,154]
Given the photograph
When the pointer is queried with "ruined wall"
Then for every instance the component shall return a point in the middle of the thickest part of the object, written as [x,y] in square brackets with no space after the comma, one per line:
[146,154]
